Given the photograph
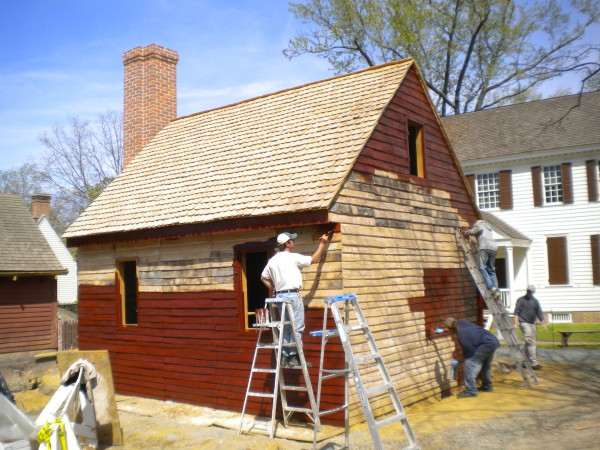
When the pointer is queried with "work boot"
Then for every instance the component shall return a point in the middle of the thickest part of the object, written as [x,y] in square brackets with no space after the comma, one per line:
[294,361]
[485,389]
[536,367]
[465,395]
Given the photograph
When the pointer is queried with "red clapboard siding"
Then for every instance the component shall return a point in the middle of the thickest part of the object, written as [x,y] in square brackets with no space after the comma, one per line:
[187,347]
[28,314]
[387,148]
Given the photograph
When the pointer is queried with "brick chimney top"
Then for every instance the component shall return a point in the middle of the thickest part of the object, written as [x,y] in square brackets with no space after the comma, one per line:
[40,206]
[150,95]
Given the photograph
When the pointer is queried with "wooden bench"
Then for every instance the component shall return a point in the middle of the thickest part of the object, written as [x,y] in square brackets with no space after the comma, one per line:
[567,334]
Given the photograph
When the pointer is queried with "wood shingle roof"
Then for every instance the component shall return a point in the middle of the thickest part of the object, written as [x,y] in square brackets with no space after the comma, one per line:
[281,153]
[23,248]
[562,122]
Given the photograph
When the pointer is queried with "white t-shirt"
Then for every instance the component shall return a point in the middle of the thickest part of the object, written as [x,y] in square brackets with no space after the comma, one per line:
[284,270]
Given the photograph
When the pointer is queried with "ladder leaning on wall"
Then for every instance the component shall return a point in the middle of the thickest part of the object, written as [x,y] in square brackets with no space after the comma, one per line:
[501,316]
[354,333]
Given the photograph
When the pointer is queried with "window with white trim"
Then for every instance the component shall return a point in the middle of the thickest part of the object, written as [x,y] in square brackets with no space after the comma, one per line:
[553,185]
[488,191]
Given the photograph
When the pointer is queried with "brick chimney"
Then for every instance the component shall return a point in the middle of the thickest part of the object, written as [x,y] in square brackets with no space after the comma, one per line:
[150,95]
[40,206]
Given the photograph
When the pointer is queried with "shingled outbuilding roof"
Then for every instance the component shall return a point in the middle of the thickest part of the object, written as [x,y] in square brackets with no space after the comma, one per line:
[562,122]
[23,248]
[280,153]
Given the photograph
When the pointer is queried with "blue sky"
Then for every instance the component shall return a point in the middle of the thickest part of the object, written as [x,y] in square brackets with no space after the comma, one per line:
[63,57]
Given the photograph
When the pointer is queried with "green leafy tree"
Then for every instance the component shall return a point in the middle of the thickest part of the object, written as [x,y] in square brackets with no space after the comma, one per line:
[473,54]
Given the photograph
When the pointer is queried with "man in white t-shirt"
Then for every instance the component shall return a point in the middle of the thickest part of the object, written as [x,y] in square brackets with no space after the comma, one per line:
[283,275]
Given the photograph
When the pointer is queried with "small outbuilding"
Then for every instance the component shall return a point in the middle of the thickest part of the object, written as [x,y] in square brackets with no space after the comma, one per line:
[170,254]
[28,271]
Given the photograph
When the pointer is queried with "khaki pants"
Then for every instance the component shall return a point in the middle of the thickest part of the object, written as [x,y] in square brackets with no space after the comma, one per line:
[530,335]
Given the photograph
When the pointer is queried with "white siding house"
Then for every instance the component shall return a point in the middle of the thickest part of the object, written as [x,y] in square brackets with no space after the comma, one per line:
[66,284]
[534,169]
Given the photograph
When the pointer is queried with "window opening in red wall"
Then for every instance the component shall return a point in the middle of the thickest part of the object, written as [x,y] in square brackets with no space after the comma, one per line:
[128,285]
[415,150]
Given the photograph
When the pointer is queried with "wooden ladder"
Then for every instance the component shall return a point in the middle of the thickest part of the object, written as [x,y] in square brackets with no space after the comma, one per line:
[501,316]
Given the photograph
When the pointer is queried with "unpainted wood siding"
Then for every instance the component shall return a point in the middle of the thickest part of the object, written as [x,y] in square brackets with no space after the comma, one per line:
[187,345]
[399,251]
[27,314]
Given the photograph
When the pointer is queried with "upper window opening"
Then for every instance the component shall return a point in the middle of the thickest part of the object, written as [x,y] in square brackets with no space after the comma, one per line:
[415,150]
[553,185]
[488,191]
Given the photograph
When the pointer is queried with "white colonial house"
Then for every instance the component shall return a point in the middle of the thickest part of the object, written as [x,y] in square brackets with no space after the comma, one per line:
[66,284]
[534,169]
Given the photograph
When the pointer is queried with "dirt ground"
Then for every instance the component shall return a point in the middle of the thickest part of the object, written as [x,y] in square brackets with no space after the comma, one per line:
[561,412]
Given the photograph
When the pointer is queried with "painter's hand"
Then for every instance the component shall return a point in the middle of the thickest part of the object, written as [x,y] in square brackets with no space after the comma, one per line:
[326,237]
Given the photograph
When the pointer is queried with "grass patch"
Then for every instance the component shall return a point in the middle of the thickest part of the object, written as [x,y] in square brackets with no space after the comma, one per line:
[553,338]
[553,333]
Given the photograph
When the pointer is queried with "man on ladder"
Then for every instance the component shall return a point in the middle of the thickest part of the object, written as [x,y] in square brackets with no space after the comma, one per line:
[283,275]
[486,254]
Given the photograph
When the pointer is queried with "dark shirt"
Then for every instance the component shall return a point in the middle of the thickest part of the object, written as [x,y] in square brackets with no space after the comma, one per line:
[474,339]
[527,309]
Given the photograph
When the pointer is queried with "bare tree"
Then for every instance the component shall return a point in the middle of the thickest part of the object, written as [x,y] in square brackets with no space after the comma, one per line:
[474,54]
[81,159]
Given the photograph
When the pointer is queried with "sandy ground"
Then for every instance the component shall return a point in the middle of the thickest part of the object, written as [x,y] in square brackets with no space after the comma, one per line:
[561,412]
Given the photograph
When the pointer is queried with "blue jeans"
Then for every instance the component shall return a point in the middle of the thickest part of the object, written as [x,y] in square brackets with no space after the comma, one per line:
[298,308]
[486,260]
[479,362]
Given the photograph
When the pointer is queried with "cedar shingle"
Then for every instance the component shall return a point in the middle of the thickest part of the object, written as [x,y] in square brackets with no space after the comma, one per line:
[280,153]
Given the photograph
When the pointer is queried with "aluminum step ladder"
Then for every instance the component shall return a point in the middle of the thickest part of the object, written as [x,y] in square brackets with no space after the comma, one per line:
[354,333]
[277,314]
[501,316]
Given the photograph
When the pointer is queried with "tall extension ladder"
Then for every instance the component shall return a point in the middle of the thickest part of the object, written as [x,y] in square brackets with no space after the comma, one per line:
[275,321]
[353,331]
[500,314]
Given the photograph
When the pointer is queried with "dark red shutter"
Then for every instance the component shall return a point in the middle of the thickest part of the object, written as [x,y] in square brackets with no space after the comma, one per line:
[471,182]
[536,180]
[567,183]
[506,201]
[591,168]
[557,260]
[595,241]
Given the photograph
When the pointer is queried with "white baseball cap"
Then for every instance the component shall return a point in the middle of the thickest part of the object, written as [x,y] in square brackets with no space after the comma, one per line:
[284,237]
[531,288]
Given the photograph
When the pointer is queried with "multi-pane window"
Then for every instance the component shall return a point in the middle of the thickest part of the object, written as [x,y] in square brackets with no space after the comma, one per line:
[553,185]
[488,191]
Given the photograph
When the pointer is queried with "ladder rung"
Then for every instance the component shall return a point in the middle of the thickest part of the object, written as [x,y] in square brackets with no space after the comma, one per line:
[295,388]
[363,359]
[355,328]
[266,345]
[328,333]
[260,394]
[332,410]
[298,409]
[377,389]
[388,420]
[333,373]
[262,370]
